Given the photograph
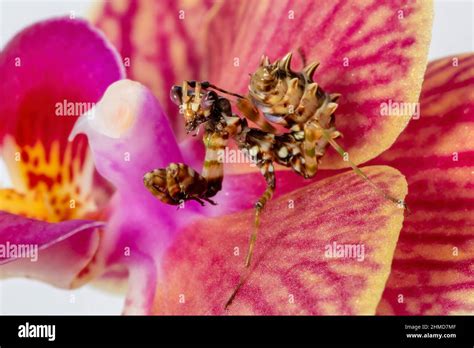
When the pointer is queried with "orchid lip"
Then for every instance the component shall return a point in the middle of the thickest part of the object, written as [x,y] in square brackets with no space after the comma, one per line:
[78,128]
[115,114]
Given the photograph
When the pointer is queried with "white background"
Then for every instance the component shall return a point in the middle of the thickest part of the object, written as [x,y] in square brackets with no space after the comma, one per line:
[452,33]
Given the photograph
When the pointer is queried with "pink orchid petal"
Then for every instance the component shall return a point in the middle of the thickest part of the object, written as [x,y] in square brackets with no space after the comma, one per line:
[193,152]
[64,249]
[432,270]
[290,273]
[46,69]
[161,41]
[45,64]
[370,52]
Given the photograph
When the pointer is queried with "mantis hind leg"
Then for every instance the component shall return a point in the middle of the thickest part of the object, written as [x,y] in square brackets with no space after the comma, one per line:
[268,172]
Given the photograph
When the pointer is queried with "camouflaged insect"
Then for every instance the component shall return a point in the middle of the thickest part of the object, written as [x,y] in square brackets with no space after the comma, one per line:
[285,97]
[290,99]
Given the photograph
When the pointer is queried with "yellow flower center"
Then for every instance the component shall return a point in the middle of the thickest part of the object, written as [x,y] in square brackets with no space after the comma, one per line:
[47,186]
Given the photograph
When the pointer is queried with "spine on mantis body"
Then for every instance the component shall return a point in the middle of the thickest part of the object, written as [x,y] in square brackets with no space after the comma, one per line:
[290,98]
[293,100]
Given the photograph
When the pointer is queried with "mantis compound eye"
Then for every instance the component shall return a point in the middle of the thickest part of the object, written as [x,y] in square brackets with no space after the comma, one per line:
[176,95]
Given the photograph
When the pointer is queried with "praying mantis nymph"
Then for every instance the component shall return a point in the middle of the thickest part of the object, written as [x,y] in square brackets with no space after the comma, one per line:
[290,99]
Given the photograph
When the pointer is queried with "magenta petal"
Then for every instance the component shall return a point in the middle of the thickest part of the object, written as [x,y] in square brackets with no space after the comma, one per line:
[45,64]
[66,247]
[193,151]
[52,63]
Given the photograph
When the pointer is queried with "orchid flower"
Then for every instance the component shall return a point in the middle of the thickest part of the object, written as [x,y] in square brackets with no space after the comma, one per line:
[188,261]
[55,195]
